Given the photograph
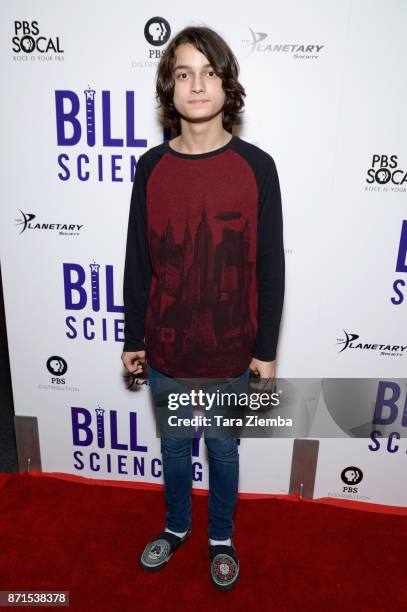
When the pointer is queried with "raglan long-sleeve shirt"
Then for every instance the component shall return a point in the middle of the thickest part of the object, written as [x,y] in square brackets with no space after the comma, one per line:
[204,270]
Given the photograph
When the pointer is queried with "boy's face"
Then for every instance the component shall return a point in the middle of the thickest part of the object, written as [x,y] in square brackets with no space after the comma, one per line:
[195,79]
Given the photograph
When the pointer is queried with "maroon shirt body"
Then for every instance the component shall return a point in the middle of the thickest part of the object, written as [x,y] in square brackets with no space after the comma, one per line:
[204,270]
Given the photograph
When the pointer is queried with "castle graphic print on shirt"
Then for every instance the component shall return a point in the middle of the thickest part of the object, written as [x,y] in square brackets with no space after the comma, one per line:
[199,262]
[198,311]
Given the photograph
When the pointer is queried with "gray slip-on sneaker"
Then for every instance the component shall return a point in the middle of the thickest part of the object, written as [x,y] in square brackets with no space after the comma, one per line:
[160,550]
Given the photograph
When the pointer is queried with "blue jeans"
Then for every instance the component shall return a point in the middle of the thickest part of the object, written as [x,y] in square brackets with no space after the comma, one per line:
[223,469]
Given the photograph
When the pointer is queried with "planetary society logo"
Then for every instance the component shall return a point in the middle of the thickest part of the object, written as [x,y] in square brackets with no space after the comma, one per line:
[64,229]
[260,43]
[349,342]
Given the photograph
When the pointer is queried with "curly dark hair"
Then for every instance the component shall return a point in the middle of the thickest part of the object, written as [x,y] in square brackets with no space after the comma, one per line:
[224,63]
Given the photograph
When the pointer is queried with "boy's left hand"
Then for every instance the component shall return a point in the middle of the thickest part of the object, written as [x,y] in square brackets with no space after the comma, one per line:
[263,369]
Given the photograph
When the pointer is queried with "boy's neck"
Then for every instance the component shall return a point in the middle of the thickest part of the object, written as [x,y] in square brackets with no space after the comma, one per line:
[200,143]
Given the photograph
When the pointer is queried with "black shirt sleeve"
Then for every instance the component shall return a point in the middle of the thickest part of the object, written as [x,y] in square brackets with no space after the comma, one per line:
[137,268]
[270,263]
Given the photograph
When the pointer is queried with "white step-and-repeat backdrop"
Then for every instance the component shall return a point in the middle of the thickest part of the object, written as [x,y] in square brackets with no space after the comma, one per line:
[326,97]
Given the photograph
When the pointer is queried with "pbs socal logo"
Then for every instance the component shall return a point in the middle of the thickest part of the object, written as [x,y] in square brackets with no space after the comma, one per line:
[351,476]
[157,31]
[57,367]
[27,39]
[384,172]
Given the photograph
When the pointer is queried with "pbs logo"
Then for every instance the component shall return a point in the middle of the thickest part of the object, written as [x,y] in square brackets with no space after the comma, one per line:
[57,367]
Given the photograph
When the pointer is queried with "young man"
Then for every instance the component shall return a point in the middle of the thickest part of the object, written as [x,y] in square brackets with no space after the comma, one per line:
[204,272]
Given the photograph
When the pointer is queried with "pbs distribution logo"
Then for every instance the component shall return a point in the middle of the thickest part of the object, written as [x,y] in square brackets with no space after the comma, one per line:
[57,368]
[29,39]
[385,174]
[157,31]
[351,476]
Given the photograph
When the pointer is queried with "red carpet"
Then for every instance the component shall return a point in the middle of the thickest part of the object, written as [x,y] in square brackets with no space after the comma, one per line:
[61,534]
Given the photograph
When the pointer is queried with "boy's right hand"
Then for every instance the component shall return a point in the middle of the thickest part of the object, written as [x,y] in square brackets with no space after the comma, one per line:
[133,361]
